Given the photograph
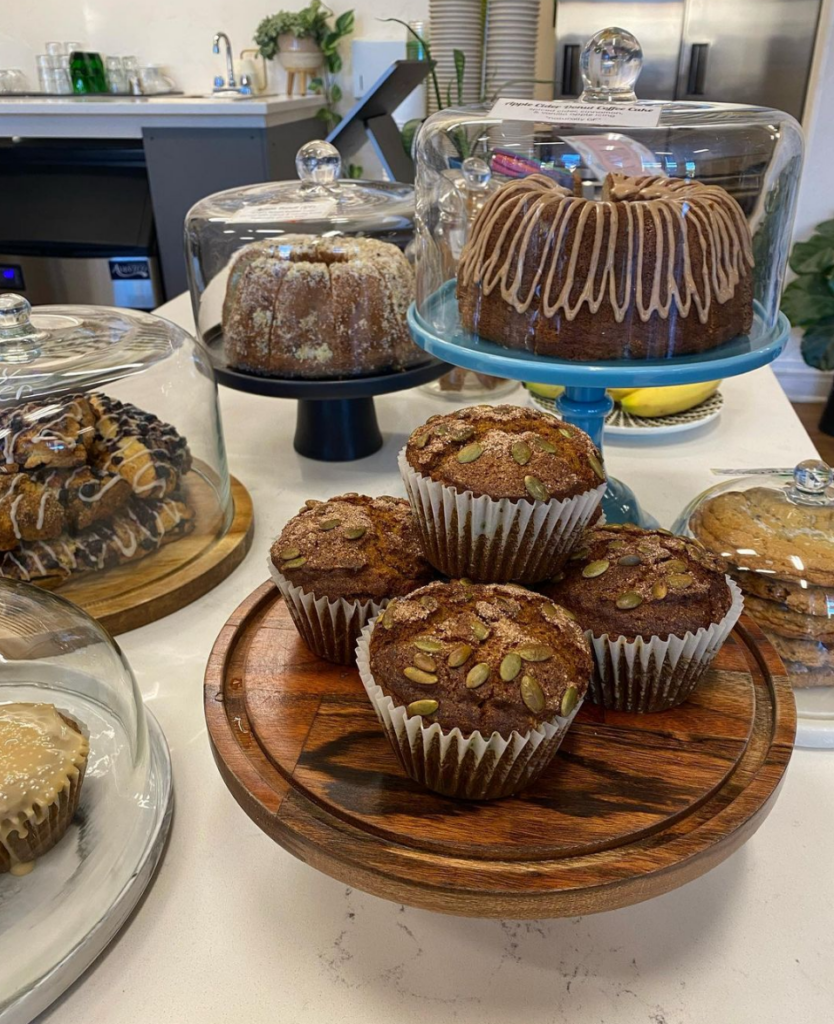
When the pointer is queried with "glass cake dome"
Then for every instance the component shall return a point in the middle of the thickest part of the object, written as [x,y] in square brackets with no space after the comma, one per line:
[607,228]
[305,279]
[60,910]
[112,457]
[776,532]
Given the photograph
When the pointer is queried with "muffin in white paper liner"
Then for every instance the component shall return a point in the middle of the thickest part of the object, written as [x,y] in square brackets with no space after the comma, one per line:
[495,540]
[329,628]
[470,767]
[650,674]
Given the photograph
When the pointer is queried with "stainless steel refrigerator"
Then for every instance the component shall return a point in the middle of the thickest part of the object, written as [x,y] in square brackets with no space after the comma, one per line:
[733,51]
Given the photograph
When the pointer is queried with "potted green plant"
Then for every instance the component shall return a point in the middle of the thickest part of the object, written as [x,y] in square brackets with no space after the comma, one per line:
[304,41]
[808,302]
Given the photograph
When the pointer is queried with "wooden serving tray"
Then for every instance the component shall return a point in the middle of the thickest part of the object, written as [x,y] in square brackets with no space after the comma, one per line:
[132,595]
[632,806]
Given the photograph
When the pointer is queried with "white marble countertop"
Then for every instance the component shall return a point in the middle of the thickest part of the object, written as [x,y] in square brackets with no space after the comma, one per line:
[125,116]
[235,929]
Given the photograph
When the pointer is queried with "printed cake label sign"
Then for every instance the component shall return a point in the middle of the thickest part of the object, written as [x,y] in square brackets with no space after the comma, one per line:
[316,209]
[605,115]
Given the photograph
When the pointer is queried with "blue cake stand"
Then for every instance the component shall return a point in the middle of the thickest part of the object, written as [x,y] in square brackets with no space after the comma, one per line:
[585,403]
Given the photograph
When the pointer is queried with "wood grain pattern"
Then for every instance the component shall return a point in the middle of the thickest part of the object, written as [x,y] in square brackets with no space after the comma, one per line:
[633,805]
[132,595]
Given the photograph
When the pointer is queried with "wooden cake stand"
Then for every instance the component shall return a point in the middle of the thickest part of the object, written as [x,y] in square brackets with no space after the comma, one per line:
[136,593]
[632,806]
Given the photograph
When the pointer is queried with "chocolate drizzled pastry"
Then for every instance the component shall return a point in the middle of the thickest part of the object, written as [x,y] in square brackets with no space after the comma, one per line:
[485,657]
[506,451]
[624,581]
[56,432]
[353,547]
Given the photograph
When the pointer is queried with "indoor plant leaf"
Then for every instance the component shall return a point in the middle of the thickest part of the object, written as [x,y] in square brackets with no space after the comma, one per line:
[807,300]
[818,345]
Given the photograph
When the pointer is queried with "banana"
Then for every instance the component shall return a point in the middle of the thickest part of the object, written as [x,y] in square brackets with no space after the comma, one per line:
[667,401]
[618,394]
[545,390]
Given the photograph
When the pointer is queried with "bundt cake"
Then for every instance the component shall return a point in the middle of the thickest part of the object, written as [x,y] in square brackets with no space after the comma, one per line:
[657,267]
[304,306]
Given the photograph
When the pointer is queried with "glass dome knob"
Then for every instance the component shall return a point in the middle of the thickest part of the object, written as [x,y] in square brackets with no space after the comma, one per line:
[811,480]
[476,173]
[610,63]
[318,163]
[20,340]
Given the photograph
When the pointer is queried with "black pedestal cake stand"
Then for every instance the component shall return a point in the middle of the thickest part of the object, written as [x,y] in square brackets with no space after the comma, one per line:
[336,419]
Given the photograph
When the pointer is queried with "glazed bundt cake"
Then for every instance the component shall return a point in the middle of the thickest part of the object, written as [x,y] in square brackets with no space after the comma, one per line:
[304,306]
[656,267]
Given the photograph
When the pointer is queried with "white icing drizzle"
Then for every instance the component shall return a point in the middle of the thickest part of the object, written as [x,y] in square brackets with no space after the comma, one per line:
[40,758]
[46,431]
[673,211]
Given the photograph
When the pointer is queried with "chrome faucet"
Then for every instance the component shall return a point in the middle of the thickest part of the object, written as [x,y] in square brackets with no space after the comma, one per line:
[230,64]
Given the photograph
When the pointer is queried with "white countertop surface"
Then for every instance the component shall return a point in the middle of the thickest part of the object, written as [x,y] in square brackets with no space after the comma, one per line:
[235,929]
[126,116]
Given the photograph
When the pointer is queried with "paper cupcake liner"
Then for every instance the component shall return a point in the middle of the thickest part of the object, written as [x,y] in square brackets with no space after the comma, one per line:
[495,541]
[653,674]
[41,836]
[329,628]
[471,767]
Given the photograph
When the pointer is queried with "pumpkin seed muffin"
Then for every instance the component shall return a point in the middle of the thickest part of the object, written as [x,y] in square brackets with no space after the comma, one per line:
[633,589]
[353,547]
[480,657]
[506,451]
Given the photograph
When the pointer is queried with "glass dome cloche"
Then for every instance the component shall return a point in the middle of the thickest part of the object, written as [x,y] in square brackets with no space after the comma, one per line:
[607,228]
[776,532]
[85,795]
[305,279]
[112,459]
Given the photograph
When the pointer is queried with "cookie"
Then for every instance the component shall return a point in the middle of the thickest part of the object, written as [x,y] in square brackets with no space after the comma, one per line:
[760,530]
[805,599]
[780,619]
[807,663]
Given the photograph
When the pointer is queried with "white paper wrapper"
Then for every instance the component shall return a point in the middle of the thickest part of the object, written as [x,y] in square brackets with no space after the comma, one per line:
[330,628]
[495,541]
[467,767]
[654,674]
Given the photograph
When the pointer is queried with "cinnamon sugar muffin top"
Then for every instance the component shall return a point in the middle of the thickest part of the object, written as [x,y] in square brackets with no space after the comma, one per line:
[353,547]
[491,657]
[624,581]
[506,451]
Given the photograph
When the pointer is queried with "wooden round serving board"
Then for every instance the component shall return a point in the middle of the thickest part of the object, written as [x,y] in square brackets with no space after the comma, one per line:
[632,806]
[136,593]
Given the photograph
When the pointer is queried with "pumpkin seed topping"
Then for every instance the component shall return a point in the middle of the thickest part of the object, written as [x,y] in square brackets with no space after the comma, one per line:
[471,452]
[594,569]
[565,432]
[477,675]
[459,655]
[479,630]
[659,590]
[521,452]
[510,667]
[532,694]
[355,533]
[579,555]
[421,440]
[330,524]
[616,545]
[596,466]
[630,599]
[417,675]
[430,602]
[425,662]
[288,554]
[294,563]
[535,652]
[569,614]
[675,565]
[571,696]
[422,707]
[680,580]
[388,615]
[312,502]
[426,644]
[545,446]
[630,560]
[463,433]
[536,489]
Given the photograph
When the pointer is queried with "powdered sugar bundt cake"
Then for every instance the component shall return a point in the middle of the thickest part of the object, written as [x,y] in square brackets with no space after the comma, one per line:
[304,306]
[656,267]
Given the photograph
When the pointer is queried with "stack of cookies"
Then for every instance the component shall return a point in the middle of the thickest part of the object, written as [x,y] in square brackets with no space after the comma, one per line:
[783,558]
[86,482]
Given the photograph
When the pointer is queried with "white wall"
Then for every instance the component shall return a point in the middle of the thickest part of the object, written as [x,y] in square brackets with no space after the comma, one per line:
[176,33]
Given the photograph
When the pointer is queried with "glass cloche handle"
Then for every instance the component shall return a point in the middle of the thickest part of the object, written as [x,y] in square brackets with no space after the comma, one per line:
[610,63]
[20,340]
[812,483]
[319,167]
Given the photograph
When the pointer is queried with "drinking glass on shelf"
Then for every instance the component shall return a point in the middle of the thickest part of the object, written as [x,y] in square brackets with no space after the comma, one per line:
[131,70]
[55,49]
[117,82]
[153,82]
[46,72]
[16,81]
